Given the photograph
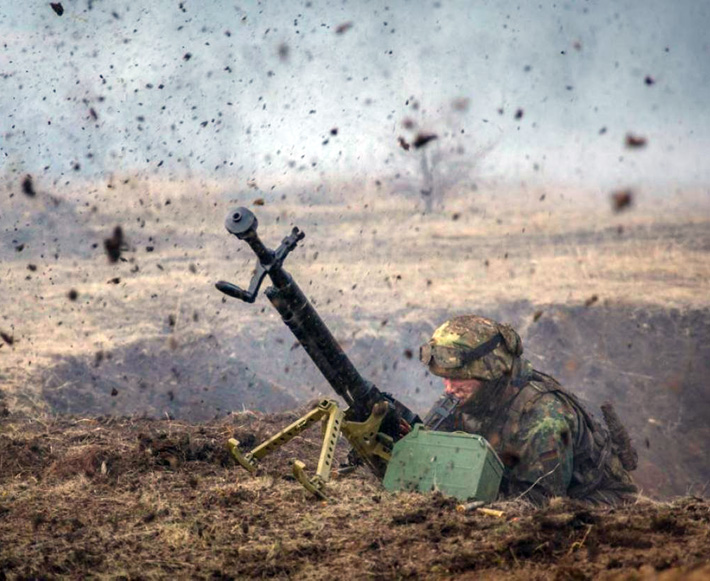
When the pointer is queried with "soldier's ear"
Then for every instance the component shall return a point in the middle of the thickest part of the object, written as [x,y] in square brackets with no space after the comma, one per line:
[512,340]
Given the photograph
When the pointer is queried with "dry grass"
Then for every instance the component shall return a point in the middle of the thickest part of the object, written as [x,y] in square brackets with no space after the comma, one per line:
[374,254]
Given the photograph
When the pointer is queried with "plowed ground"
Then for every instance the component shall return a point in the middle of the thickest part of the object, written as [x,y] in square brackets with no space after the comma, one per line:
[131,498]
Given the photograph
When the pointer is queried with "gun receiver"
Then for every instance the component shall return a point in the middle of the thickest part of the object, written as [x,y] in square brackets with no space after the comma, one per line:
[365,401]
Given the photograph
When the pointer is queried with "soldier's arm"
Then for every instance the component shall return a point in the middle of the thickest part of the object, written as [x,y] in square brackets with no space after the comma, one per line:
[541,451]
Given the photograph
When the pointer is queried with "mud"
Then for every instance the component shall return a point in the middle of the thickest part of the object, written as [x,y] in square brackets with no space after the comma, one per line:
[156,498]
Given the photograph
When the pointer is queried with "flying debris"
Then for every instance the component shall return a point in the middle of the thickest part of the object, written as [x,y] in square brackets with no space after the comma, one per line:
[114,244]
[28,187]
[283,51]
[343,28]
[621,199]
[423,138]
[635,141]
[461,105]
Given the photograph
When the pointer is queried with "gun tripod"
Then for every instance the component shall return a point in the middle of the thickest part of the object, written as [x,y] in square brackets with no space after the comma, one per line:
[365,438]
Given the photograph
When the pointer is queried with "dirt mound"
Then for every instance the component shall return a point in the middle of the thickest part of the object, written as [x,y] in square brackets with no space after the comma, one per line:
[650,362]
[198,379]
[156,498]
[653,365]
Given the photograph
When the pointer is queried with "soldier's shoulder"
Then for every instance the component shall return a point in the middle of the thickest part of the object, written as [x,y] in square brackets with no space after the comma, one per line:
[543,381]
[544,399]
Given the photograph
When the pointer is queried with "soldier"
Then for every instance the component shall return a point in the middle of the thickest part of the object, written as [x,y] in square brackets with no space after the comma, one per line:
[549,443]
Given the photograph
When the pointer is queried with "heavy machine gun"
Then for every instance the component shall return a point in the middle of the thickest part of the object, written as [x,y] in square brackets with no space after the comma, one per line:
[373,420]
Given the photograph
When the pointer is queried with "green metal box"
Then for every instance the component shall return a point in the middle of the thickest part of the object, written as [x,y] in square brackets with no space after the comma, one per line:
[455,463]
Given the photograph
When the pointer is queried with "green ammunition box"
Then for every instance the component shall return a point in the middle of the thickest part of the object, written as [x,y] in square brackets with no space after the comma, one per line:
[455,463]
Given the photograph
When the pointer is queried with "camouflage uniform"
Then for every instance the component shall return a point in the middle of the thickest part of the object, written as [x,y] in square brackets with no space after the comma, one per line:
[550,445]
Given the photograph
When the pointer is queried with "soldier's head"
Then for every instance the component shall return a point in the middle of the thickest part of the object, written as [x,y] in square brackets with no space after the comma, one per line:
[471,347]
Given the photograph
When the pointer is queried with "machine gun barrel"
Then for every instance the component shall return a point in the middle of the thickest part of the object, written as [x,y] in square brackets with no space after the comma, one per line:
[312,333]
[315,337]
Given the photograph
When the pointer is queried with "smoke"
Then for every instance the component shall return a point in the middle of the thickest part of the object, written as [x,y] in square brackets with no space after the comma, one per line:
[285,90]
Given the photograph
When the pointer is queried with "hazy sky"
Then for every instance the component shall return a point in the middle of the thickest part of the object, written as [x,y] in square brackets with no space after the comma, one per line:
[253,89]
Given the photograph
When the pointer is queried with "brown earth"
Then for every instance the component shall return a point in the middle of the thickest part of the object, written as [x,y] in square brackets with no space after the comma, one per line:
[615,305]
[129,498]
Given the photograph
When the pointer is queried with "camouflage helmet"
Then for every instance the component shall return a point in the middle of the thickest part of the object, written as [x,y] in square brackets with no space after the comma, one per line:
[471,347]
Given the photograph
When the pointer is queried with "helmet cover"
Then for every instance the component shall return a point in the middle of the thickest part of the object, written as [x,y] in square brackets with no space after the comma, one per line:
[472,347]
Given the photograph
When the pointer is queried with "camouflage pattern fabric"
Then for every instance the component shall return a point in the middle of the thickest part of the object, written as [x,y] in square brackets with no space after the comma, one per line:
[469,332]
[550,445]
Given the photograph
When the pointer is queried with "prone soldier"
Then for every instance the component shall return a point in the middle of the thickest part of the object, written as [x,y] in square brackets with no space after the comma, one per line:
[549,443]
